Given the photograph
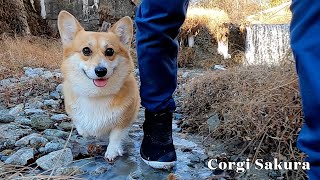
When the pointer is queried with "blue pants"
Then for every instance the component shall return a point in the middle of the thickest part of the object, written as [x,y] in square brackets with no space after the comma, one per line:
[158,23]
[305,43]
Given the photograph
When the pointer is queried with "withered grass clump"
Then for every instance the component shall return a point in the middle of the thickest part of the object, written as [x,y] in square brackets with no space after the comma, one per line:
[212,19]
[19,52]
[258,105]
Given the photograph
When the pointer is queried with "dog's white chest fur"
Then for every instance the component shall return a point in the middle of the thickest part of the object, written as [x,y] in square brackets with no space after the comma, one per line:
[94,117]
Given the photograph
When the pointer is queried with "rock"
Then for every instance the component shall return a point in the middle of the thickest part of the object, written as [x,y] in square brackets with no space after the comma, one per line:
[33,73]
[219,67]
[185,75]
[59,117]
[47,75]
[21,157]
[53,145]
[59,88]
[67,126]
[65,171]
[213,122]
[17,110]
[22,120]
[51,102]
[41,122]
[8,82]
[6,143]
[35,104]
[56,133]
[6,118]
[35,140]
[54,95]
[13,132]
[177,116]
[100,170]
[34,111]
[55,159]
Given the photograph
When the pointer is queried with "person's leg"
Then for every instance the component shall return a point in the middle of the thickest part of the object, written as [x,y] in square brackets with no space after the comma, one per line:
[305,43]
[158,23]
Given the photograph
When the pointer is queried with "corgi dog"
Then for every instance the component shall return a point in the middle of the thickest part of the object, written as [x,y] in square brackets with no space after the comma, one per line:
[100,91]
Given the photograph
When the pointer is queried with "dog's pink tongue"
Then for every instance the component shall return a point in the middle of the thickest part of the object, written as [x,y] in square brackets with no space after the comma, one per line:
[100,82]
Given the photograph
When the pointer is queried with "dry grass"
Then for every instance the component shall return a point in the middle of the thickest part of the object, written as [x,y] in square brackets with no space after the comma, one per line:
[18,52]
[237,10]
[212,19]
[259,106]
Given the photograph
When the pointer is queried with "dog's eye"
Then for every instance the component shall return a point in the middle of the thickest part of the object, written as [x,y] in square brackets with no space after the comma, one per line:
[109,52]
[86,51]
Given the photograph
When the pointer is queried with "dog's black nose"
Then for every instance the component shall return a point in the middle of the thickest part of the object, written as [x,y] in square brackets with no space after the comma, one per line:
[100,71]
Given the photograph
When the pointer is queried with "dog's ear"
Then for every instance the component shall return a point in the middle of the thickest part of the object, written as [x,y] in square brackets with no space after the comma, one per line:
[68,27]
[124,30]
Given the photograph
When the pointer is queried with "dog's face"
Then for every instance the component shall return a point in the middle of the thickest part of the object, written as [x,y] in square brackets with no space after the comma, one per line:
[95,63]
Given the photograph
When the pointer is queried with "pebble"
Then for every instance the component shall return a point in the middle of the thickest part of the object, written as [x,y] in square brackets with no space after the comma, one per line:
[213,122]
[34,111]
[17,110]
[59,88]
[47,75]
[34,104]
[68,171]
[6,118]
[53,145]
[41,122]
[99,170]
[59,117]
[51,102]
[21,157]
[56,133]
[22,120]
[55,159]
[66,126]
[34,140]
[54,95]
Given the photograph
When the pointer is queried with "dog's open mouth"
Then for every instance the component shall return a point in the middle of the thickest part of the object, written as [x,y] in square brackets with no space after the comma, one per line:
[100,82]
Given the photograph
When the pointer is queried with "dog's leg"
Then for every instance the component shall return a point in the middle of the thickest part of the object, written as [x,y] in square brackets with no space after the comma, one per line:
[115,144]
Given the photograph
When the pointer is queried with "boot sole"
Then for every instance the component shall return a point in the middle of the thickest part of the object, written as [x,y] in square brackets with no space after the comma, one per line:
[160,165]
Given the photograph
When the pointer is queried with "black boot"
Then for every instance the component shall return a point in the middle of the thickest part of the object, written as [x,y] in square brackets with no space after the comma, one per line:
[157,148]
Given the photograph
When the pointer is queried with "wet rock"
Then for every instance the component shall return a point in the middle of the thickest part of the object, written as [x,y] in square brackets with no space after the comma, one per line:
[51,102]
[100,170]
[35,140]
[21,157]
[213,122]
[22,120]
[55,159]
[73,170]
[41,122]
[56,133]
[6,118]
[66,126]
[34,111]
[59,117]
[17,110]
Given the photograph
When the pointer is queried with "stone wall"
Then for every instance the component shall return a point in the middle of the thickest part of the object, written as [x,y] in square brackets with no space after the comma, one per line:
[38,17]
[90,13]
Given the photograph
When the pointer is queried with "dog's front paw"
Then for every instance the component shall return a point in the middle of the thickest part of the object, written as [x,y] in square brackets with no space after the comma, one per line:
[113,152]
